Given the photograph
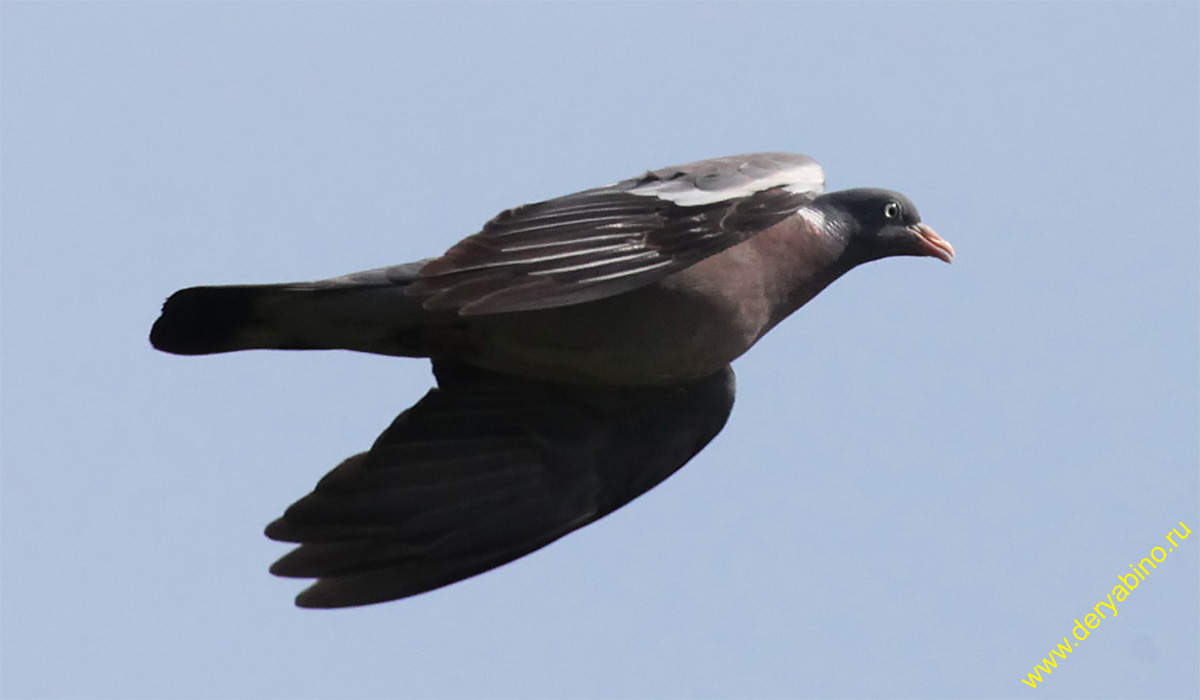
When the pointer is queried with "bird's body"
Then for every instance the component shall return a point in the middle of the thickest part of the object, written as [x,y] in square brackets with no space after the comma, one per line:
[683,327]
[574,316]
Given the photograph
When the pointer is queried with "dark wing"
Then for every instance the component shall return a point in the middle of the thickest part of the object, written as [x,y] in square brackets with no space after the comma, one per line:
[609,240]
[485,469]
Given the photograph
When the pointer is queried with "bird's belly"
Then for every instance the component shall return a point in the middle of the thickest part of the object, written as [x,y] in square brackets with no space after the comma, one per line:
[661,334]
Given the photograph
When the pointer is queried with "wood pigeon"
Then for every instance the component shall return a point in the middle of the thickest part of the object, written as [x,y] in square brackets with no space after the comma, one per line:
[581,346]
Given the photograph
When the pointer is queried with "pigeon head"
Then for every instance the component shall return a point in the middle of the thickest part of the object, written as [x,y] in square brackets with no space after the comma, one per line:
[878,224]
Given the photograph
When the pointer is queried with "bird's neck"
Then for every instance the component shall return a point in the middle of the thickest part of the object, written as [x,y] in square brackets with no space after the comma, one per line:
[802,258]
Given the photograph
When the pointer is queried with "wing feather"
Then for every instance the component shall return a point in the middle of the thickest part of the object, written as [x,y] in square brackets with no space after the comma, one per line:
[482,470]
[609,240]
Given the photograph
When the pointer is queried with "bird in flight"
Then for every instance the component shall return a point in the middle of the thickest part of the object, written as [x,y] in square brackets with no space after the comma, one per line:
[581,347]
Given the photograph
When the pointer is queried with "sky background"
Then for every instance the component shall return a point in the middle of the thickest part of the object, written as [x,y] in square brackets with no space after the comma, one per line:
[931,470]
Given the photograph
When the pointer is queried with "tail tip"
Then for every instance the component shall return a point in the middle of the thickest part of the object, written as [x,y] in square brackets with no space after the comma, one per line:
[202,320]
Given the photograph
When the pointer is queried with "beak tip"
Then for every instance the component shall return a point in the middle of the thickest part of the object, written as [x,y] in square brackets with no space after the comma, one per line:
[936,246]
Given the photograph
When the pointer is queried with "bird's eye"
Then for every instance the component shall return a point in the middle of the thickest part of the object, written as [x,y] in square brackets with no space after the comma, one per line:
[891,210]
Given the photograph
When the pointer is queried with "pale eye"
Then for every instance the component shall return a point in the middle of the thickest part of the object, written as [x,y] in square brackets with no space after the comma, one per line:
[891,210]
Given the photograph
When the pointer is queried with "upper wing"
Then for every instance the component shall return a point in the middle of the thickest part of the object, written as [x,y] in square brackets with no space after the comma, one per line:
[482,470]
[608,240]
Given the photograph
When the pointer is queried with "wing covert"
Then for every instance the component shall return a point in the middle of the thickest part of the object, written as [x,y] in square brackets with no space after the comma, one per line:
[609,240]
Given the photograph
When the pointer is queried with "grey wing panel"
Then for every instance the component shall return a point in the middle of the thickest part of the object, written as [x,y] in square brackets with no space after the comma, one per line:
[485,469]
[609,240]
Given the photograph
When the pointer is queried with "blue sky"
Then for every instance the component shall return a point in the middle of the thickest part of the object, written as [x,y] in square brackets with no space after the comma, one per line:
[931,470]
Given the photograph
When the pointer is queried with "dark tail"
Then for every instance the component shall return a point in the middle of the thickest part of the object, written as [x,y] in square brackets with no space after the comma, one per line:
[206,320]
[367,311]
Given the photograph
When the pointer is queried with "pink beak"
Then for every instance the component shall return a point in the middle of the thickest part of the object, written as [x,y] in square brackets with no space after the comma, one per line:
[935,245]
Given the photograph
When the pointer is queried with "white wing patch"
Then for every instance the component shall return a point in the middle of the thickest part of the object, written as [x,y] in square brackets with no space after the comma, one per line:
[609,240]
[806,176]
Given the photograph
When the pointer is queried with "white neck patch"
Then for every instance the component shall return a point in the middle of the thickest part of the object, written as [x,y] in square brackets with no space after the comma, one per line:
[814,218]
